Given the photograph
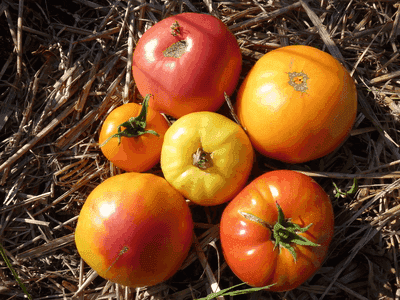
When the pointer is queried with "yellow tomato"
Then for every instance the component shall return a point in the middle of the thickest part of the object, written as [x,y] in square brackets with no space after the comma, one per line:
[207,157]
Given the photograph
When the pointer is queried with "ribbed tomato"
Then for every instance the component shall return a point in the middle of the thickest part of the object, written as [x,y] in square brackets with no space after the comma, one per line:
[297,103]
[134,229]
[277,230]
[207,157]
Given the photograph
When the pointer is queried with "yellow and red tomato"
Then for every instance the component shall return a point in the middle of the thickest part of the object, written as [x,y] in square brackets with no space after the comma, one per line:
[134,229]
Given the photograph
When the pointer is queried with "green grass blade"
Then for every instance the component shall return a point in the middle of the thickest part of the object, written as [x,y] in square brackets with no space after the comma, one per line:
[227,292]
[7,261]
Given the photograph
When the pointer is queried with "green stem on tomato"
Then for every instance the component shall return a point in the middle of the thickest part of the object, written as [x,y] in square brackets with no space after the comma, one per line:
[284,232]
[135,126]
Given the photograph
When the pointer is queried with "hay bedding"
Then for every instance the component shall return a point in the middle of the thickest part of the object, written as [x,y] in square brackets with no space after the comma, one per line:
[65,66]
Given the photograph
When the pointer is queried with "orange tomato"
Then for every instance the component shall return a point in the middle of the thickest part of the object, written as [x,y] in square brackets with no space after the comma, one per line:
[137,147]
[297,103]
[134,229]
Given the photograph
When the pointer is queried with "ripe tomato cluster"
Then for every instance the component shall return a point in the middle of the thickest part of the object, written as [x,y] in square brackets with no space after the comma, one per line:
[296,104]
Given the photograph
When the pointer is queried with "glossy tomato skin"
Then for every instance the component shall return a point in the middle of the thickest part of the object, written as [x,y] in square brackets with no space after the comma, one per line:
[248,247]
[195,80]
[134,229]
[305,99]
[228,146]
[133,154]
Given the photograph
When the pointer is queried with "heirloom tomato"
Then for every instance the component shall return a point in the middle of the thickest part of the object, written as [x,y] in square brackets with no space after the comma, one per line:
[207,157]
[134,229]
[277,230]
[131,136]
[187,62]
[297,103]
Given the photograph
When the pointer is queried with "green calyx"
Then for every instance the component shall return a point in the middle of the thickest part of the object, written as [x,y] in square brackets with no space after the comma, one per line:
[135,126]
[284,233]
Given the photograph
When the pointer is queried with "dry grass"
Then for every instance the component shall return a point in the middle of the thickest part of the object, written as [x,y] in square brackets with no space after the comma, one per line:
[63,67]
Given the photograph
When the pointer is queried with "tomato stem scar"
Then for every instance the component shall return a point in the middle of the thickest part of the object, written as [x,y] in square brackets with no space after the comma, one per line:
[176,50]
[298,80]
[135,126]
[202,159]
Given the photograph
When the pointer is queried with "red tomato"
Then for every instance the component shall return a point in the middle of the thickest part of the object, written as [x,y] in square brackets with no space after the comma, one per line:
[187,62]
[132,135]
[255,245]
[134,229]
[297,103]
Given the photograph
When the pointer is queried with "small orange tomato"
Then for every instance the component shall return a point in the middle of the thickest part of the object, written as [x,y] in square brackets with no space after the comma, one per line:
[132,136]
[134,229]
[297,103]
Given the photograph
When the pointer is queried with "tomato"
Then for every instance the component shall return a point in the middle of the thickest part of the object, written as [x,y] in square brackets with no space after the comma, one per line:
[277,230]
[134,229]
[187,62]
[131,136]
[297,103]
[207,157]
